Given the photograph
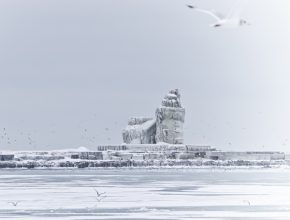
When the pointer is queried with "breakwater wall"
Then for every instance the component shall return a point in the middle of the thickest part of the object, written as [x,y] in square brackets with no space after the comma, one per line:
[140,155]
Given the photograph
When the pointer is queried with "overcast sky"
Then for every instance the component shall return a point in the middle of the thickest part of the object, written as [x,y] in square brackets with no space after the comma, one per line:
[73,71]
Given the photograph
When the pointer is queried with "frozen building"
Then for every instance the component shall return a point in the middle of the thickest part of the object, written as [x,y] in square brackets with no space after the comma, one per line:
[166,127]
[140,131]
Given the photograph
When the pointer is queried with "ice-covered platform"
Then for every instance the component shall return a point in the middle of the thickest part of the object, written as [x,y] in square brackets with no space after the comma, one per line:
[140,155]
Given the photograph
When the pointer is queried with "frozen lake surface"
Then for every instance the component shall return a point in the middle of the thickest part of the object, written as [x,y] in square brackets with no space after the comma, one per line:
[207,194]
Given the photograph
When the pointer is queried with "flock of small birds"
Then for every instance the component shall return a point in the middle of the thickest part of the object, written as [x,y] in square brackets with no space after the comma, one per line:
[6,138]
[85,136]
[29,138]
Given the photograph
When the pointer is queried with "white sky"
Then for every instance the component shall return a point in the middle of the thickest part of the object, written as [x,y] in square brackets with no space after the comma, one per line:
[71,70]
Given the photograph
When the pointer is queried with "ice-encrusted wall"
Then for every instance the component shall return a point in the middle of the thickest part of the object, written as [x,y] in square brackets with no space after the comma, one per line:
[140,130]
[170,119]
[141,155]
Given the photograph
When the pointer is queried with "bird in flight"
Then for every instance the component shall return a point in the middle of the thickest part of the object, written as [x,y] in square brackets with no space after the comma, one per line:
[232,20]
[99,194]
[13,203]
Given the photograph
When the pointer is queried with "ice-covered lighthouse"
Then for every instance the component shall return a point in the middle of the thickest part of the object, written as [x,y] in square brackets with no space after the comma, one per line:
[166,127]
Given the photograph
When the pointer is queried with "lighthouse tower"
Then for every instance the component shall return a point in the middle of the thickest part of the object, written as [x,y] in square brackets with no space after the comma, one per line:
[170,119]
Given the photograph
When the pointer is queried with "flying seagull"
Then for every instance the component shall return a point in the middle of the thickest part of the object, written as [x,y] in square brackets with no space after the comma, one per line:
[232,20]
[13,203]
[99,194]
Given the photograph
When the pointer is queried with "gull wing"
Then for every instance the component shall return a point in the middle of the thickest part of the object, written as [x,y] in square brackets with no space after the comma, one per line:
[102,193]
[216,15]
[14,203]
[101,198]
